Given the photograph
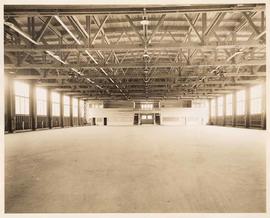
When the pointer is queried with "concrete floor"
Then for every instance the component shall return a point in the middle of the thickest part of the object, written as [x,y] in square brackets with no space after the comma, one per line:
[136,169]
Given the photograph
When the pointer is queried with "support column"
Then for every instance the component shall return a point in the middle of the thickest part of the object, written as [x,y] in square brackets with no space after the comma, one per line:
[263,117]
[71,110]
[209,112]
[79,112]
[61,110]
[33,106]
[247,113]
[84,111]
[216,114]
[10,101]
[49,108]
[234,108]
[224,110]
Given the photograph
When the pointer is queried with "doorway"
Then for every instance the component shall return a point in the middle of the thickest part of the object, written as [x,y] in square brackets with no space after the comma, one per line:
[157,119]
[147,118]
[136,119]
[105,121]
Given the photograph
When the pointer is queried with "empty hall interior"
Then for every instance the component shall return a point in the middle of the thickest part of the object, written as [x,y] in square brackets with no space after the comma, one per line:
[135,108]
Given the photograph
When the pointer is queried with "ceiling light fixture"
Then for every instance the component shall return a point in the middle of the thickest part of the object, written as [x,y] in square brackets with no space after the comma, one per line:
[145,22]
[56,57]
[67,29]
[25,35]
[78,72]
[236,53]
[104,71]
[89,80]
[111,80]
[99,86]
[87,52]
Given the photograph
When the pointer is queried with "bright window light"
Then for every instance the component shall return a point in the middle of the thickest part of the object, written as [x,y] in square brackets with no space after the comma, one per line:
[240,102]
[144,117]
[220,106]
[97,105]
[21,91]
[41,96]
[149,117]
[213,107]
[82,108]
[55,104]
[75,107]
[66,106]
[147,106]
[256,99]
[229,104]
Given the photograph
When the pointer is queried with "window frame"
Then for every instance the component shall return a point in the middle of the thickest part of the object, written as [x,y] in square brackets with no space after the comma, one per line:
[220,106]
[227,105]
[240,111]
[81,108]
[255,103]
[22,100]
[66,106]
[213,105]
[41,103]
[147,106]
[56,104]
[75,113]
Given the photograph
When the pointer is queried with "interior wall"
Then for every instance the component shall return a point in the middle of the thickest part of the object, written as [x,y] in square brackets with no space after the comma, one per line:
[184,116]
[115,116]
[195,114]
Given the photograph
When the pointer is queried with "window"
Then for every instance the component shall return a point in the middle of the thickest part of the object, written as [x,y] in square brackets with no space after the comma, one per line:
[41,96]
[21,91]
[256,99]
[55,104]
[147,106]
[75,107]
[96,105]
[213,107]
[240,102]
[220,106]
[66,106]
[229,105]
[149,117]
[82,108]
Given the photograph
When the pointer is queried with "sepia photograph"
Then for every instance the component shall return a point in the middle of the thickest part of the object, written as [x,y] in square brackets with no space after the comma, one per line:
[135,108]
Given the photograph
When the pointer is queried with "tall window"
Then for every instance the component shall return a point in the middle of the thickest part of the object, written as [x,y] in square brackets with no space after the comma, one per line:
[256,99]
[229,104]
[75,107]
[21,91]
[213,107]
[66,106]
[82,108]
[41,96]
[55,104]
[220,106]
[240,102]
